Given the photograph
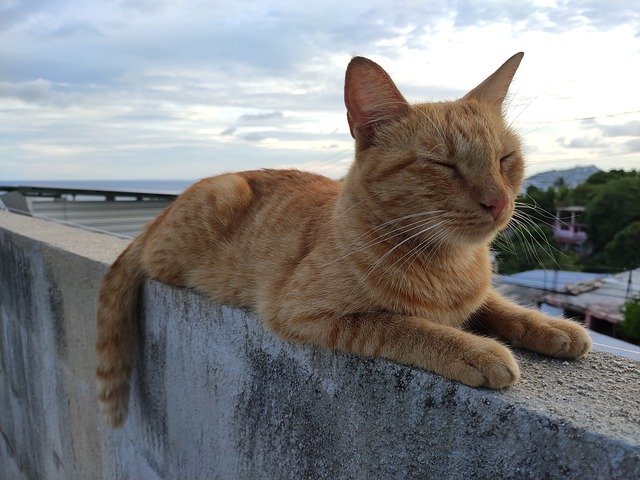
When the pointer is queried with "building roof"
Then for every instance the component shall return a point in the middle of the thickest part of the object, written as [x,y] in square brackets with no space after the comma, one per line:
[604,302]
[573,208]
[553,280]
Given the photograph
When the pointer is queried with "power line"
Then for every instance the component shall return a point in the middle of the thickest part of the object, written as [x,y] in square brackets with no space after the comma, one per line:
[579,119]
[600,158]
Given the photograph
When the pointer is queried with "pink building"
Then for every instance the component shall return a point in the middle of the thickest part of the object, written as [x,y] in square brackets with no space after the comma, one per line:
[567,232]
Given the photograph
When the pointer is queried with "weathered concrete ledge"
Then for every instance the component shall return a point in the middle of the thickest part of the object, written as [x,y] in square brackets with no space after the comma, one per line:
[216,396]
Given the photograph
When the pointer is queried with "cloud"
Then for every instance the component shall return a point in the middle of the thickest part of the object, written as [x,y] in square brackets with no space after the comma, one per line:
[261,118]
[254,137]
[628,129]
[583,142]
[31,91]
[632,145]
[266,76]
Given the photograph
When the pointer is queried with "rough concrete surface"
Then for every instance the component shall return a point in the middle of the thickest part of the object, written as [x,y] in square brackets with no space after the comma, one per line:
[216,396]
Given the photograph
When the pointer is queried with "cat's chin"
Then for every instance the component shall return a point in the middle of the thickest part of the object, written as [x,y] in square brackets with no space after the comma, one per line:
[479,236]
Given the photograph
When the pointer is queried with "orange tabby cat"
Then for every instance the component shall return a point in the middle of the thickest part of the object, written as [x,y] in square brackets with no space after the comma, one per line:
[391,263]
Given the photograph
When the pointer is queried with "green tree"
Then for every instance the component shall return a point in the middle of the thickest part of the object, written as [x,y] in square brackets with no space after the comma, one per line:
[631,322]
[530,247]
[623,251]
[539,205]
[583,193]
[600,178]
[615,206]
[564,196]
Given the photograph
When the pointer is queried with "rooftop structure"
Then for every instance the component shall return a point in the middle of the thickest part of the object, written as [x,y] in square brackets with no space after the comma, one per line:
[560,281]
[121,213]
[567,231]
[596,297]
[605,302]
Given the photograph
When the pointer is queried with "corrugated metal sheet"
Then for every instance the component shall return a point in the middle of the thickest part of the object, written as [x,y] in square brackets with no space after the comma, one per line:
[605,302]
[552,280]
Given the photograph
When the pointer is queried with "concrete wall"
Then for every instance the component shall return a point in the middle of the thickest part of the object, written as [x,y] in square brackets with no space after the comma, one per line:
[216,396]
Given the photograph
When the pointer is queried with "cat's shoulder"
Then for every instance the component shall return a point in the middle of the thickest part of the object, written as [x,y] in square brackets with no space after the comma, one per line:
[273,180]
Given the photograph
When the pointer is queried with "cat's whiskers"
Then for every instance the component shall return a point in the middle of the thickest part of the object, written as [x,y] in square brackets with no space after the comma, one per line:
[379,261]
[399,232]
[540,211]
[439,242]
[417,251]
[528,221]
[516,231]
[356,246]
[529,224]
[504,241]
[395,233]
[435,242]
[371,196]
[527,241]
[411,252]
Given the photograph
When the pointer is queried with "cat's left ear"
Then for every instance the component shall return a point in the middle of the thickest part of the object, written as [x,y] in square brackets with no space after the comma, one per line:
[494,89]
[371,98]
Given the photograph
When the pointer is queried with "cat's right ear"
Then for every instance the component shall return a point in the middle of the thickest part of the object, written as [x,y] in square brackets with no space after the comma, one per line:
[371,99]
[493,89]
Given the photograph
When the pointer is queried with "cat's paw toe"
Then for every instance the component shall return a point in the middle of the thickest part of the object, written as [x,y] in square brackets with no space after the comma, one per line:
[579,341]
[492,367]
[561,338]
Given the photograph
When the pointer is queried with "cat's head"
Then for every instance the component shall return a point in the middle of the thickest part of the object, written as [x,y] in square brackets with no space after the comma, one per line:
[459,159]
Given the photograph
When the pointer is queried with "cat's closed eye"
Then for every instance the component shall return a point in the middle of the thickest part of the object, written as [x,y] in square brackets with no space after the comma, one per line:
[446,165]
[507,158]
[507,161]
[442,164]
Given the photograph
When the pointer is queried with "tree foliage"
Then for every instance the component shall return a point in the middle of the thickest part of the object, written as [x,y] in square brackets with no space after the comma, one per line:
[623,251]
[614,207]
[612,201]
[631,323]
[530,247]
[600,178]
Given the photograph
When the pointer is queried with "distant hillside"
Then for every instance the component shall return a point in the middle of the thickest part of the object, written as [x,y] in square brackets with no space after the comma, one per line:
[572,177]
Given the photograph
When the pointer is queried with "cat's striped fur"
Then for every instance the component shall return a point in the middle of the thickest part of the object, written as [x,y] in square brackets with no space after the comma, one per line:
[392,262]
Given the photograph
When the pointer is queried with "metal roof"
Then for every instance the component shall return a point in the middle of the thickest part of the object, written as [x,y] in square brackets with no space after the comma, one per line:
[552,280]
[607,300]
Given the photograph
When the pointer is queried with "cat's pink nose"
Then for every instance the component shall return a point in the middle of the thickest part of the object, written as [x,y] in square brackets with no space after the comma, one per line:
[497,206]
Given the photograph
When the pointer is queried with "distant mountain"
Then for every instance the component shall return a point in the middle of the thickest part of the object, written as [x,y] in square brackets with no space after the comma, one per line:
[572,177]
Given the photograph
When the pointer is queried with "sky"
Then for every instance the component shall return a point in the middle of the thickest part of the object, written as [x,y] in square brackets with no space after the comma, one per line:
[141,89]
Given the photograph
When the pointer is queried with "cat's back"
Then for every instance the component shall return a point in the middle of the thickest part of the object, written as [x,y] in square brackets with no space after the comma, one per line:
[240,232]
[248,206]
[289,202]
[267,183]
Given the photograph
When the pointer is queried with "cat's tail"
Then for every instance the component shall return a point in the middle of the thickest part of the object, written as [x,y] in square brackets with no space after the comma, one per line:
[117,315]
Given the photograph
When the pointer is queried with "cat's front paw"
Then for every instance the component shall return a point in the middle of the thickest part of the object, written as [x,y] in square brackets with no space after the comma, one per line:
[489,364]
[557,337]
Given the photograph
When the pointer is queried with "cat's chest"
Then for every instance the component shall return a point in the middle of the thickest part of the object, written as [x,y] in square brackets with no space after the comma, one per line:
[443,293]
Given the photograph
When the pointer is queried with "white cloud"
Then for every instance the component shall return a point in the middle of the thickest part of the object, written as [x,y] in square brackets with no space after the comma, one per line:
[141,88]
